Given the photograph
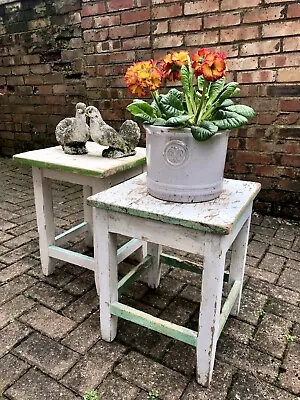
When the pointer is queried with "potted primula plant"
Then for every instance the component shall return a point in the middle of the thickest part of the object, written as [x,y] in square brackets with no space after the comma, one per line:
[186,128]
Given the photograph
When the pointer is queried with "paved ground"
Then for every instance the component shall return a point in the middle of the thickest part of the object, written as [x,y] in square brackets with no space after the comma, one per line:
[50,347]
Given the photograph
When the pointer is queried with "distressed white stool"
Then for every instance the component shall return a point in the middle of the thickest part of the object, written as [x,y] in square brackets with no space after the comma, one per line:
[95,174]
[207,229]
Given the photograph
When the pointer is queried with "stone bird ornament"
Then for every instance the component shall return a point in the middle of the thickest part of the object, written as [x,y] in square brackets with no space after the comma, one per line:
[73,133]
[122,143]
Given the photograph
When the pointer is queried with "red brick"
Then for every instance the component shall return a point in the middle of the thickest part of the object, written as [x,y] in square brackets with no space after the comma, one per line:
[76,43]
[231,50]
[117,5]
[87,23]
[30,59]
[186,24]
[239,34]
[71,55]
[293,10]
[143,29]
[292,160]
[256,76]
[266,118]
[266,170]
[40,69]
[289,118]
[160,27]
[280,60]
[33,79]
[291,147]
[15,80]
[288,74]
[122,57]
[205,38]
[290,105]
[94,9]
[94,35]
[163,12]
[263,14]
[135,16]
[136,43]
[108,20]
[20,70]
[122,31]
[221,20]
[291,43]
[253,157]
[166,41]
[240,64]
[5,71]
[284,28]
[234,5]
[260,47]
[200,7]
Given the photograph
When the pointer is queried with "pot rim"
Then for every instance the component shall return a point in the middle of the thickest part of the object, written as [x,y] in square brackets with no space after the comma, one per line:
[178,128]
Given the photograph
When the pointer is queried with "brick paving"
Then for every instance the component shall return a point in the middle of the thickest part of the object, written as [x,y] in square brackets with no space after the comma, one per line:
[50,346]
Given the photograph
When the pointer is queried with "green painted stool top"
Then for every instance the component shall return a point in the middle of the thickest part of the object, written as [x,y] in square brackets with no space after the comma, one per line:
[219,215]
[91,164]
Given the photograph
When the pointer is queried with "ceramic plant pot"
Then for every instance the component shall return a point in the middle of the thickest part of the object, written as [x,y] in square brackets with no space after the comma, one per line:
[181,169]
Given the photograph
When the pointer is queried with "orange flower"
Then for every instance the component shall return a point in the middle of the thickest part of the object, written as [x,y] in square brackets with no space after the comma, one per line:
[214,66]
[198,58]
[172,64]
[142,77]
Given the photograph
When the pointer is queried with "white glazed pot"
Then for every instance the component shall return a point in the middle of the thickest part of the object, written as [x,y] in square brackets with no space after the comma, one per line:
[181,169]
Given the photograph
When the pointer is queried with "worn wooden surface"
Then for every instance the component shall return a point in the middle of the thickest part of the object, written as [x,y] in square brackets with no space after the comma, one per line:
[91,164]
[207,229]
[218,215]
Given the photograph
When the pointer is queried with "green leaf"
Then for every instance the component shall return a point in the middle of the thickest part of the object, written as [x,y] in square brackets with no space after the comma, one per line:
[245,111]
[228,91]
[143,105]
[204,131]
[178,121]
[136,109]
[159,122]
[215,88]
[171,104]
[200,82]
[185,79]
[227,102]
[228,120]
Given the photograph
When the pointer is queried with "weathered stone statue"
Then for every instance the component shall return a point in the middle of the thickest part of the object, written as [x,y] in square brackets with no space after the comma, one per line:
[73,133]
[122,143]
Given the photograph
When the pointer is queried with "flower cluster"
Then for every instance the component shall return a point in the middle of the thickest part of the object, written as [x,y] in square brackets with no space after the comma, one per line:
[204,104]
[142,76]
[145,76]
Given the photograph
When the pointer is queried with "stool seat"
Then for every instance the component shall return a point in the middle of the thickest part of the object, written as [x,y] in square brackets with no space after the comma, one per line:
[208,229]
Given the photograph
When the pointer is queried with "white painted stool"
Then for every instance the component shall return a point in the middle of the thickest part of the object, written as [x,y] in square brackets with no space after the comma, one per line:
[207,229]
[95,174]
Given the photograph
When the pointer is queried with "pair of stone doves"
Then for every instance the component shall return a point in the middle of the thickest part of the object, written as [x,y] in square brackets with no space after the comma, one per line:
[73,133]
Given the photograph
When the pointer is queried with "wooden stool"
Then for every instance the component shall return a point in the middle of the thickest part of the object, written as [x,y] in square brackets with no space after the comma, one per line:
[95,173]
[207,229]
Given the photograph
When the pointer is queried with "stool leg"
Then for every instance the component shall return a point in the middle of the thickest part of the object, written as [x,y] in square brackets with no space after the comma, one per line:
[238,260]
[45,218]
[106,272]
[212,284]
[88,215]
[154,270]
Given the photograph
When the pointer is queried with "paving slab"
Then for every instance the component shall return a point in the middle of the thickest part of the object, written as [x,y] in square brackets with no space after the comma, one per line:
[50,343]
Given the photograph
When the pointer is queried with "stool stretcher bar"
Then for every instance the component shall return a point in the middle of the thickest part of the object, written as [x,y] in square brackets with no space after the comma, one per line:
[71,233]
[135,273]
[157,324]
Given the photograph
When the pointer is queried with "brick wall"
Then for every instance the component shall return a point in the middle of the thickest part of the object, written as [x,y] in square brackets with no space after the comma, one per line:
[54,53]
